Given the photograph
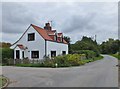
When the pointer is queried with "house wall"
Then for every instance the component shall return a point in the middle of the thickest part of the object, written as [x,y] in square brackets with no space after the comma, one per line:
[58,47]
[37,45]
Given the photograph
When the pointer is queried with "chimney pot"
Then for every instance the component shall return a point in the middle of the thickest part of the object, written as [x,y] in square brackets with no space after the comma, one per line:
[47,26]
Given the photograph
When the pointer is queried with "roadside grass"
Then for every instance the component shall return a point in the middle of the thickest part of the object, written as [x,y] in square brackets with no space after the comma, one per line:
[92,60]
[119,71]
[3,81]
[116,55]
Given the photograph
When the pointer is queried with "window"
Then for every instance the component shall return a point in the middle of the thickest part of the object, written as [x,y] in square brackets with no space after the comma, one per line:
[34,54]
[31,37]
[63,52]
[53,53]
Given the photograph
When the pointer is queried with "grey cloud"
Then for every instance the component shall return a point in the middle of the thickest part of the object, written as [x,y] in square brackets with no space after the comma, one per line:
[79,23]
[15,17]
[74,20]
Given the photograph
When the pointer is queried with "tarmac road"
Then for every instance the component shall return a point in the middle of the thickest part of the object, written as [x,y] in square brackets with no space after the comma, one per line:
[101,73]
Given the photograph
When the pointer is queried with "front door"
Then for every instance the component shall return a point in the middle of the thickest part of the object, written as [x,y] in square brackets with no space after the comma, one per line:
[17,54]
[23,54]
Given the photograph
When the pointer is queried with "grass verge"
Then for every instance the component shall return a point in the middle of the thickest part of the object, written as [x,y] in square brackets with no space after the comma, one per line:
[119,72]
[3,81]
[116,55]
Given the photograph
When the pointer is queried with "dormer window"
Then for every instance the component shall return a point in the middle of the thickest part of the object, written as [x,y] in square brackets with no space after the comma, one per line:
[31,36]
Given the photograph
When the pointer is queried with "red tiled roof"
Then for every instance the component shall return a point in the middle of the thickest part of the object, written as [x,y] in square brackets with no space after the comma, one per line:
[20,46]
[42,32]
[46,34]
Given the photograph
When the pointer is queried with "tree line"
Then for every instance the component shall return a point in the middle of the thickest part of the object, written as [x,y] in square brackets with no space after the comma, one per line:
[110,46]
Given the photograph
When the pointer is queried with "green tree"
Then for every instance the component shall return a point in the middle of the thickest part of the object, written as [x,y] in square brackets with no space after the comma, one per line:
[110,47]
[86,44]
[68,40]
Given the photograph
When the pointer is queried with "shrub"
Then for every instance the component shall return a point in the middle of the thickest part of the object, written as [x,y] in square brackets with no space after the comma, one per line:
[69,60]
[26,61]
[7,55]
[74,59]
[89,54]
[62,61]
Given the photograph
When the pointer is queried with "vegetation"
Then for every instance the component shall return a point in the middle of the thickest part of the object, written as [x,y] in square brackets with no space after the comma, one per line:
[86,44]
[7,54]
[89,54]
[3,81]
[110,47]
[62,61]
[116,55]
[4,45]
[67,39]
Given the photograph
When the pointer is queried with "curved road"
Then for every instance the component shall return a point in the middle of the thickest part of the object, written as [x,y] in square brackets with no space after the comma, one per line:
[101,73]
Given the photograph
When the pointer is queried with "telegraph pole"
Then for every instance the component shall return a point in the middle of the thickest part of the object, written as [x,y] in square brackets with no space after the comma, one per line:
[95,37]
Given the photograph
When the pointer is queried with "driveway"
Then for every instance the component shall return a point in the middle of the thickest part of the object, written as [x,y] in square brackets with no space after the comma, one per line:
[101,73]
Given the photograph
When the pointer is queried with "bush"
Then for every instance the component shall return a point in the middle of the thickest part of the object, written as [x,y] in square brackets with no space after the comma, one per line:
[69,60]
[62,61]
[89,54]
[7,55]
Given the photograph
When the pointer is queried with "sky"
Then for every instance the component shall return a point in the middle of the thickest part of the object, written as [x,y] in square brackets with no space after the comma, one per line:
[76,19]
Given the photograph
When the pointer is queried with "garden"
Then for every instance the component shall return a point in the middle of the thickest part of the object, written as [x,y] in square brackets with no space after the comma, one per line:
[75,59]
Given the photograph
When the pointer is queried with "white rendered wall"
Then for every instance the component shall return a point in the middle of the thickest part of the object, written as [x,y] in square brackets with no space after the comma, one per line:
[37,45]
[58,47]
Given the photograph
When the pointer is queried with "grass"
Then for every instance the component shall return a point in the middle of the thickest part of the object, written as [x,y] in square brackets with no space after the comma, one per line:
[92,60]
[116,55]
[3,81]
[119,67]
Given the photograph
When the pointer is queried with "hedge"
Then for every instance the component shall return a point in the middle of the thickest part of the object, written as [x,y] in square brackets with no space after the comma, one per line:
[89,54]
[6,55]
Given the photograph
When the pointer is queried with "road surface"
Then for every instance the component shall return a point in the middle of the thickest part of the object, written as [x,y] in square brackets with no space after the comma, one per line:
[101,73]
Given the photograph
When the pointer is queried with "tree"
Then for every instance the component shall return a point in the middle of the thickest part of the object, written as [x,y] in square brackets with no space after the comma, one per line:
[110,47]
[5,45]
[86,44]
[68,40]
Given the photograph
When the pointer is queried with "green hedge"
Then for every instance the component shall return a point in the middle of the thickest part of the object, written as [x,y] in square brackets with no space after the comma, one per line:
[69,60]
[6,55]
[89,54]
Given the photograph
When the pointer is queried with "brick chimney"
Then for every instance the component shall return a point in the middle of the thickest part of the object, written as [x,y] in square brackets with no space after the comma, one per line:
[47,26]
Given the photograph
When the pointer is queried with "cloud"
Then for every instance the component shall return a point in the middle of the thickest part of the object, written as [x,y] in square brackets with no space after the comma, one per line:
[15,17]
[73,19]
[79,23]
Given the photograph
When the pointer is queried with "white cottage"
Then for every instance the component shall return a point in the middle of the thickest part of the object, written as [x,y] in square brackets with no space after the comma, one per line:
[36,42]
